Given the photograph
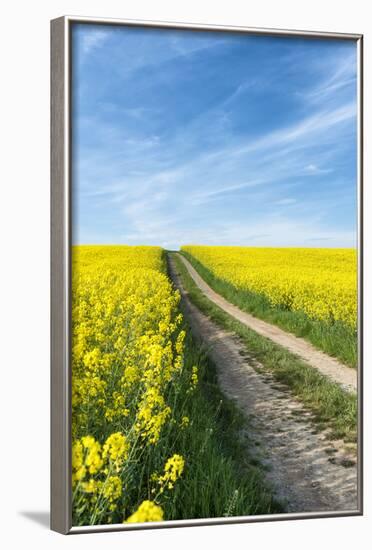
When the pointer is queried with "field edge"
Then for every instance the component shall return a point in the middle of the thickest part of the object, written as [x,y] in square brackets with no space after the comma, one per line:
[336,340]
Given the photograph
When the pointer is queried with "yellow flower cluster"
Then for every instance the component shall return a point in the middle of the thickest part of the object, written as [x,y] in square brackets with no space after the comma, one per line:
[124,351]
[86,457]
[194,376]
[321,282]
[127,352]
[103,488]
[185,422]
[147,511]
[116,449]
[172,471]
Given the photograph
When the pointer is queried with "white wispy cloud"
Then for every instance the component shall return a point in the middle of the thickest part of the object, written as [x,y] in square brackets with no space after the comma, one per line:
[305,130]
[342,75]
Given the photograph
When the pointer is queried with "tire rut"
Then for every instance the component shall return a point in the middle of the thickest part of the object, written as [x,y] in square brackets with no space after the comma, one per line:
[307,471]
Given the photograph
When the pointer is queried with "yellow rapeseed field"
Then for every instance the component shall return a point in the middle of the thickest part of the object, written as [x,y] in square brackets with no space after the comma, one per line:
[321,282]
[127,359]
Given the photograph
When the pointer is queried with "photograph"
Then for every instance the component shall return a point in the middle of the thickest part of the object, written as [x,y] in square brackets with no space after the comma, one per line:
[215,290]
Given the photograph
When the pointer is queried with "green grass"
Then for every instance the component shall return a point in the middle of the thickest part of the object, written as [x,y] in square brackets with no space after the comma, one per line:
[335,339]
[222,477]
[332,407]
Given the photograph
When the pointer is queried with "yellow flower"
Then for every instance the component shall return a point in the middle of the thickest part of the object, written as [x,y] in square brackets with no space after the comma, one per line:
[172,471]
[116,448]
[93,459]
[77,455]
[78,467]
[194,376]
[180,340]
[174,467]
[79,474]
[185,421]
[147,511]
[112,489]
[152,415]
[91,486]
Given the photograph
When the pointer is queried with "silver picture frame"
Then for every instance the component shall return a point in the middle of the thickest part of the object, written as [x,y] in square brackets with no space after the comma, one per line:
[61,182]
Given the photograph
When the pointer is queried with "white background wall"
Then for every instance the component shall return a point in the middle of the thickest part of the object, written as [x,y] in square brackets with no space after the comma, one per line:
[24,321]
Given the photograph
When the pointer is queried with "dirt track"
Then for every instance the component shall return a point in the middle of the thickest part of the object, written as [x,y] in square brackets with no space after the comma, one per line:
[332,368]
[308,473]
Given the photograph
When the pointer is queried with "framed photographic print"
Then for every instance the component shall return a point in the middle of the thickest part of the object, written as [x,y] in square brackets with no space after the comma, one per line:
[206,274]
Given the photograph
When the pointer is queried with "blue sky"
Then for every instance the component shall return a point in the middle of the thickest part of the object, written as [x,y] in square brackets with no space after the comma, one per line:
[184,137]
